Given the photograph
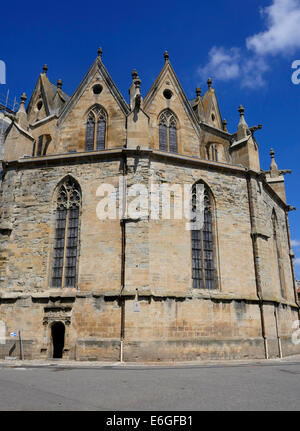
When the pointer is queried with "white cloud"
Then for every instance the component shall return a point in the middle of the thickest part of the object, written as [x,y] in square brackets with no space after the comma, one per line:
[253,70]
[297,261]
[295,243]
[283,29]
[226,64]
[222,64]
[249,64]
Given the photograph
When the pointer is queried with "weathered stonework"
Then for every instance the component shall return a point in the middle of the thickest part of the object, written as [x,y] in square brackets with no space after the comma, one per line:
[134,298]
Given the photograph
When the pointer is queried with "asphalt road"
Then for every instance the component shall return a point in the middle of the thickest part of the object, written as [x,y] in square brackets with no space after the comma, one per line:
[268,387]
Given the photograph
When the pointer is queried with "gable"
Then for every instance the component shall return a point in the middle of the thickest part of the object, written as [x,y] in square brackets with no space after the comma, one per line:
[97,88]
[38,106]
[167,93]
[211,110]
[18,143]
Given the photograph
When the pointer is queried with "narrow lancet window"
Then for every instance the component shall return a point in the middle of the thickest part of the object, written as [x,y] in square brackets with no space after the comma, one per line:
[168,132]
[203,248]
[96,129]
[64,268]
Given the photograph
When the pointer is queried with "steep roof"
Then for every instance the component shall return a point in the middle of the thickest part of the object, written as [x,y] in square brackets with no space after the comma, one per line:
[54,98]
[97,67]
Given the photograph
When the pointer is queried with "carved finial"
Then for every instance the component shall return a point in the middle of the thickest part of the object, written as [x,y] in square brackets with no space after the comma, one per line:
[166,56]
[45,69]
[137,82]
[198,91]
[224,124]
[209,82]
[274,172]
[100,52]
[243,130]
[241,110]
[23,98]
[134,74]
[59,83]
[21,116]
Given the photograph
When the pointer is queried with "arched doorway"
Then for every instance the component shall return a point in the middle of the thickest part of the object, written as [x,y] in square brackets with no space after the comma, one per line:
[58,339]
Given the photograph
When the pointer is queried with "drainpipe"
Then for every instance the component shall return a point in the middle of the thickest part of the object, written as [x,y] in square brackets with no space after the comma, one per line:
[277,332]
[123,248]
[21,345]
[256,257]
[291,256]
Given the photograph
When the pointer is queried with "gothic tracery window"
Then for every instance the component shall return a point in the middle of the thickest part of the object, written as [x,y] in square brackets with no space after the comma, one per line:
[168,131]
[64,269]
[96,129]
[203,246]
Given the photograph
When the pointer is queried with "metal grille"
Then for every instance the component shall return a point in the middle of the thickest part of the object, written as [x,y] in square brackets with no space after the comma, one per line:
[163,145]
[59,247]
[203,270]
[90,132]
[197,271]
[101,128]
[66,235]
[71,251]
[207,236]
[173,138]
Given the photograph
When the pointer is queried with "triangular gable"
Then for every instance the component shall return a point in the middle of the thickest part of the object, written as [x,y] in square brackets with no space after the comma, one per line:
[41,90]
[168,70]
[53,99]
[211,106]
[97,67]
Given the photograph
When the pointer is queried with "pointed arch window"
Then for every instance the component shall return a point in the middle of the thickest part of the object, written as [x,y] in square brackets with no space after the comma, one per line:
[203,245]
[168,132]
[68,203]
[40,146]
[96,129]
[277,252]
[212,152]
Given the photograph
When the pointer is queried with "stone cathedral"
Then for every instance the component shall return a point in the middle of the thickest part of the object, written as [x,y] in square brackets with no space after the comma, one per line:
[137,288]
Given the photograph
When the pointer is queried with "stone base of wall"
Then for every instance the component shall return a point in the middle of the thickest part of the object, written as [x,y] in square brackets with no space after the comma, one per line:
[97,350]
[164,329]
[190,350]
[12,349]
[94,349]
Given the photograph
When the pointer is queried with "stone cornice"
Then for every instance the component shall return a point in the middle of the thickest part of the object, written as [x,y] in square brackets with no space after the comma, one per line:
[72,294]
[217,132]
[43,121]
[93,156]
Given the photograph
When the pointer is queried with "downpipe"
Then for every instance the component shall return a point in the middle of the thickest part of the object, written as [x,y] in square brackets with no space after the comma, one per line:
[256,257]
[123,254]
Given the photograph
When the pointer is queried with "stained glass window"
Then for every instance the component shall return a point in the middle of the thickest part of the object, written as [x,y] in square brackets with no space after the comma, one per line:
[96,129]
[66,235]
[168,132]
[203,253]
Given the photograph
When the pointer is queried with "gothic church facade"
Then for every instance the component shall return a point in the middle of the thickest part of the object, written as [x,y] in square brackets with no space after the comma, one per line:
[138,288]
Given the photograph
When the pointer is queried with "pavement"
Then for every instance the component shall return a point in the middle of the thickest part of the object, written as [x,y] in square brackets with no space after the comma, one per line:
[61,385]
[66,363]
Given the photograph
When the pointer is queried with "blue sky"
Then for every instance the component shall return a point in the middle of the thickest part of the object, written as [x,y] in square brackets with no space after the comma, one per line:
[246,47]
